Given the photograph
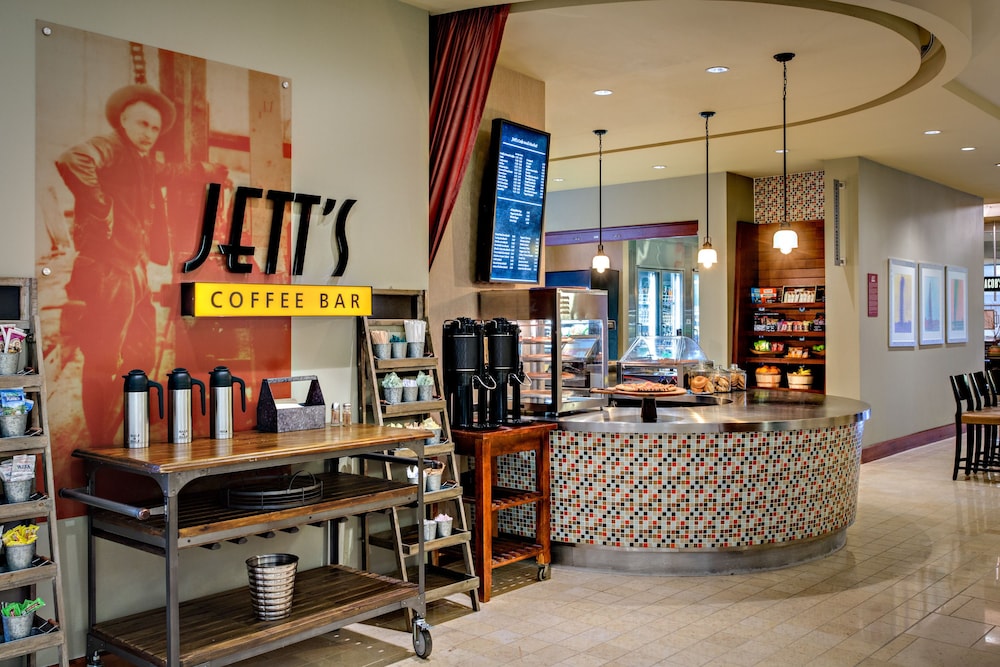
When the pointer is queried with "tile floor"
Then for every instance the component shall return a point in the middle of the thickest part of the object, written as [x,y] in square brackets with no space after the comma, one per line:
[917,584]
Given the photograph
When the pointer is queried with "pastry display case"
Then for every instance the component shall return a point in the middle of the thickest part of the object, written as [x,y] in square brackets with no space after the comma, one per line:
[664,359]
[563,345]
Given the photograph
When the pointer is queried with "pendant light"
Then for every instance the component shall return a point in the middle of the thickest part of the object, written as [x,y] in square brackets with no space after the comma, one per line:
[601,262]
[785,239]
[707,255]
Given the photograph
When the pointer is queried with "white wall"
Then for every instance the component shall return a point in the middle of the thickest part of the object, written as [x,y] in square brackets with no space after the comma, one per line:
[359,129]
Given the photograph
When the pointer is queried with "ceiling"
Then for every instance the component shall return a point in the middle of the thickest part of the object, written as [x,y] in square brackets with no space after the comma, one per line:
[867,80]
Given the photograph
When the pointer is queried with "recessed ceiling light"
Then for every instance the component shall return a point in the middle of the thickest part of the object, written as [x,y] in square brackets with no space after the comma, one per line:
[932,131]
[718,69]
[781,150]
[997,164]
[603,91]
[558,180]
[659,166]
[968,148]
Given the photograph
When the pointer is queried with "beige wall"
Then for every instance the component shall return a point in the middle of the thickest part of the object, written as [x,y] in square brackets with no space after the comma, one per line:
[359,130]
[452,288]
[902,216]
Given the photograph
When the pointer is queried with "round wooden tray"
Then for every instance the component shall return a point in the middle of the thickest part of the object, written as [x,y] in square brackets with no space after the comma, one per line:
[668,390]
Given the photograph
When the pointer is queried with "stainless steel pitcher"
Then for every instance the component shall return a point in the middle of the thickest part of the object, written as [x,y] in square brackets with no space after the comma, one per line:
[221,408]
[136,410]
[180,429]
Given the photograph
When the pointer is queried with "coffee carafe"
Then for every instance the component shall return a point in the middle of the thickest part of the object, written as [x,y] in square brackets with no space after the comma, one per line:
[463,368]
[180,430]
[136,427]
[220,382]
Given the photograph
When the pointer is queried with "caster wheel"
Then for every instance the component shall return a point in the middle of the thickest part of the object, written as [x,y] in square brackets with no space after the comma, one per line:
[544,572]
[422,643]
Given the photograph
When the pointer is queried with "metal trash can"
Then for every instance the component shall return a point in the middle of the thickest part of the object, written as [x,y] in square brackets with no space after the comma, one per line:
[272,582]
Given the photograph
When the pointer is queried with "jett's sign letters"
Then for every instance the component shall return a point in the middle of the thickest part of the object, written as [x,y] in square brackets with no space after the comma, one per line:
[235,250]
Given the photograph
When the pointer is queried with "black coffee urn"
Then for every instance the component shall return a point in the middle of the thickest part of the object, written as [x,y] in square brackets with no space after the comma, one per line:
[503,367]
[463,369]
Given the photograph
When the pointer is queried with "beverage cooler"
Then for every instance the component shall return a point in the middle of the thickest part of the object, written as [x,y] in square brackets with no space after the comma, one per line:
[564,339]
[659,302]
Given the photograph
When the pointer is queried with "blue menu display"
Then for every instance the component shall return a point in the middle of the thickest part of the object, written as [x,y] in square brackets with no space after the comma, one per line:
[513,203]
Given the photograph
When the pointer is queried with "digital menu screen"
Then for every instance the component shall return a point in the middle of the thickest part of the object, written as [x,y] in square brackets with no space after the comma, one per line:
[513,204]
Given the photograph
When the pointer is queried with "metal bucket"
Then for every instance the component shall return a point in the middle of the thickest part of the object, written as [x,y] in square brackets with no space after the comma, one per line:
[19,491]
[19,556]
[272,583]
[17,627]
[13,426]
[8,362]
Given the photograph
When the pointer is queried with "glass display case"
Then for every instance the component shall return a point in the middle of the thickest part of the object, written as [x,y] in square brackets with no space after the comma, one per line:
[564,339]
[665,359]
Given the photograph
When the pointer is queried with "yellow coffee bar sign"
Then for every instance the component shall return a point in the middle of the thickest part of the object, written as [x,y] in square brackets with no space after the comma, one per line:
[246,300]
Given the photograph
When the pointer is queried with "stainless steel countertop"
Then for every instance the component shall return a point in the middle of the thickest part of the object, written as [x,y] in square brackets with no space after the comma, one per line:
[752,410]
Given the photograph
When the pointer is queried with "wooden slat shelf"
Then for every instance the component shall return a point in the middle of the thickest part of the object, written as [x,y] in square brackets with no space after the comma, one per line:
[31,644]
[440,582]
[223,626]
[29,510]
[203,517]
[406,364]
[387,540]
[29,381]
[504,498]
[512,548]
[412,408]
[793,361]
[42,569]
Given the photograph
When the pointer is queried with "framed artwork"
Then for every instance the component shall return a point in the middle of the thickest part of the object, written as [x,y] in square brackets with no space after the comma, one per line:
[956,304]
[902,303]
[931,303]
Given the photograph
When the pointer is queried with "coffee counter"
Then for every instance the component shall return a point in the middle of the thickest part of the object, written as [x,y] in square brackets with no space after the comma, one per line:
[717,484]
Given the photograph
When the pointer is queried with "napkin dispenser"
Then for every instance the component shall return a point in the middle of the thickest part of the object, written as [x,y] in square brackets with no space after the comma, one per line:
[281,416]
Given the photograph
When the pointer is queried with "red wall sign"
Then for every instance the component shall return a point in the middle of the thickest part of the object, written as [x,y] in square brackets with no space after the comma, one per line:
[872,295]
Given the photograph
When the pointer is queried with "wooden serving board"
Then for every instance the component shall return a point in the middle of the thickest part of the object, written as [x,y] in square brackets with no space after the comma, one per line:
[641,394]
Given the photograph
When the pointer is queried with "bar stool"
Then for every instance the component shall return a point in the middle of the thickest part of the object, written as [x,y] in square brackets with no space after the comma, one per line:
[964,403]
[986,439]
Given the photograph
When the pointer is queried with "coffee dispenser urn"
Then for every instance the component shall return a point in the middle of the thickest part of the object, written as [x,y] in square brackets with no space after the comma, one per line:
[137,408]
[502,367]
[220,380]
[463,368]
[180,429]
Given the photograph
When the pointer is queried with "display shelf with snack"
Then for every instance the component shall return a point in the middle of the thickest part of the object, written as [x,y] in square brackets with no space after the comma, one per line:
[784,326]
[400,530]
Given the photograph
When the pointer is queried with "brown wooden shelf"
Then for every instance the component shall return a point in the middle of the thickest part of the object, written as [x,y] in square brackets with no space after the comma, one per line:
[387,540]
[223,625]
[794,361]
[505,498]
[203,518]
[807,305]
[512,548]
[788,334]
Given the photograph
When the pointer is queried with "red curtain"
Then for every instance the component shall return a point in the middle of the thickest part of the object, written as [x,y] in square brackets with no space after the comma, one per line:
[464,47]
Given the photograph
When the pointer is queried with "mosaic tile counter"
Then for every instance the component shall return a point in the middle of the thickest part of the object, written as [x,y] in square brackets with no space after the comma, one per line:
[767,480]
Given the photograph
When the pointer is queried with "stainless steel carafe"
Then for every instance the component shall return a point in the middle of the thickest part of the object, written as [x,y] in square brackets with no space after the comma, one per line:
[137,408]
[180,429]
[220,381]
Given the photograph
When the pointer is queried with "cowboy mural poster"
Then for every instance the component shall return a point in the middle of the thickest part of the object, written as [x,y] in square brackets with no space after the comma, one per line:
[129,137]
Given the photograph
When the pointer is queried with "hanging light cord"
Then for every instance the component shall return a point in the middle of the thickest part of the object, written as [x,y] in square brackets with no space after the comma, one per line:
[600,188]
[707,115]
[784,137]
